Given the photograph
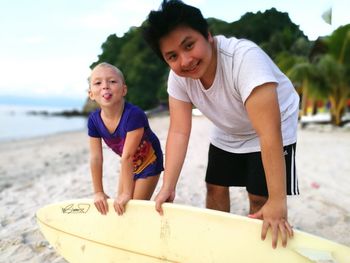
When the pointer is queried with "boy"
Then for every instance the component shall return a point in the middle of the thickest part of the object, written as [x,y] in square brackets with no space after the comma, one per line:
[125,129]
[252,104]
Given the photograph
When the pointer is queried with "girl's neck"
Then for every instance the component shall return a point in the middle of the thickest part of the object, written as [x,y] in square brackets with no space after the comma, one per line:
[111,116]
[113,113]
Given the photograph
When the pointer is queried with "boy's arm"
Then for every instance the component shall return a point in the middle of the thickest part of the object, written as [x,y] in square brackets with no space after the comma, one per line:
[176,148]
[263,110]
[96,161]
[126,180]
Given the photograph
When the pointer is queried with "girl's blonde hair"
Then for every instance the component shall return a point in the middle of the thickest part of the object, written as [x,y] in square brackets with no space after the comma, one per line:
[105,64]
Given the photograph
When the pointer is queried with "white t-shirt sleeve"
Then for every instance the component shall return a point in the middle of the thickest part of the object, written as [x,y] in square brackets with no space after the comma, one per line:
[255,69]
[177,87]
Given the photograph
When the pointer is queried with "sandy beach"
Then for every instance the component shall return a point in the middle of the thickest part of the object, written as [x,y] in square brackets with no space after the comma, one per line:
[40,171]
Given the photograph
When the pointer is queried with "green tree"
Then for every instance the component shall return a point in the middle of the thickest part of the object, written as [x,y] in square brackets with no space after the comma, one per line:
[272,30]
[335,67]
[146,74]
[305,77]
[143,71]
[335,85]
[326,76]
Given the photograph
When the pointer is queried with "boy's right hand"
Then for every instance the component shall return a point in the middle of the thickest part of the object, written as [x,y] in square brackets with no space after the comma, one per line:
[100,201]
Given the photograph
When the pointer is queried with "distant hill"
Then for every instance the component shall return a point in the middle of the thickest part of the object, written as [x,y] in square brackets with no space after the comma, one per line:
[273,30]
[146,75]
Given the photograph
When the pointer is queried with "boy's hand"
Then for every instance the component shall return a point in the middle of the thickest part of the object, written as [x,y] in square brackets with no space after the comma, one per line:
[120,203]
[275,217]
[100,201]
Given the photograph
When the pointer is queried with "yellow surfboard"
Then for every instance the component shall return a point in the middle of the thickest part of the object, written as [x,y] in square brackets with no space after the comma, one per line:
[183,234]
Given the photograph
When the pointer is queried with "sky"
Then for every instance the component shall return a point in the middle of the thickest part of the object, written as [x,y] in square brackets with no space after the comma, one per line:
[47,46]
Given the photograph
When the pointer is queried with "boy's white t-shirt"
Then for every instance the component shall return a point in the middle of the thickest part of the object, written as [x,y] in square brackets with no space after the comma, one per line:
[241,67]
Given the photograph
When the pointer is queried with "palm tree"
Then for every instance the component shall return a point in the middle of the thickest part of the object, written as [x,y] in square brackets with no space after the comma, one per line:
[327,76]
[335,67]
[303,74]
[334,84]
[306,75]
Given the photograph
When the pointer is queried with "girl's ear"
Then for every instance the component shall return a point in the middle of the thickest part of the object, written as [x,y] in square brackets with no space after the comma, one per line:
[91,96]
[125,89]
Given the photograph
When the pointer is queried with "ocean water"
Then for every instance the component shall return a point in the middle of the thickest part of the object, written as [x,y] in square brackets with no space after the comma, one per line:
[16,122]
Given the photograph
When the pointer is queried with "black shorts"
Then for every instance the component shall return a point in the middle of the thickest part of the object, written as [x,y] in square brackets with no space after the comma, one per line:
[246,169]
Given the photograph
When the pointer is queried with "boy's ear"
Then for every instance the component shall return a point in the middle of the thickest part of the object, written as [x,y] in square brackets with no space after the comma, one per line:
[210,38]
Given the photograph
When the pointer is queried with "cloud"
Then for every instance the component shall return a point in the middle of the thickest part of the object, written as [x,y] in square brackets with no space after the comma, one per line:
[33,40]
[340,14]
[46,76]
[117,16]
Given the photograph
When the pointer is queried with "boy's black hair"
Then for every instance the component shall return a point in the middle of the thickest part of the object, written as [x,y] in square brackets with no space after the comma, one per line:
[171,14]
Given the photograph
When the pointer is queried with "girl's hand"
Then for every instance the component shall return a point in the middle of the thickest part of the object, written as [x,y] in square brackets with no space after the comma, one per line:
[100,201]
[120,203]
[164,196]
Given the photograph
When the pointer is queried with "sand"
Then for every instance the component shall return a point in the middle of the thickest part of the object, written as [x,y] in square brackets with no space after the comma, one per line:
[36,172]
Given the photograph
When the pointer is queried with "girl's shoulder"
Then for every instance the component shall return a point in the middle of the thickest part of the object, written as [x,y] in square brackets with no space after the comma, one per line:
[95,114]
[130,108]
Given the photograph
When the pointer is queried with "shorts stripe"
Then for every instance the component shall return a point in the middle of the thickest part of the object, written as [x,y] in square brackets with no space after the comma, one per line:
[292,175]
[294,179]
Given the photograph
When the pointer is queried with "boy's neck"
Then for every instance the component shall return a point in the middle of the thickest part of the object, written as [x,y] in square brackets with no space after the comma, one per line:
[209,76]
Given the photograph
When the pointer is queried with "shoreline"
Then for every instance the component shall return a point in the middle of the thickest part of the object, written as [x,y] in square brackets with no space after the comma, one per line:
[43,170]
[77,118]
[38,137]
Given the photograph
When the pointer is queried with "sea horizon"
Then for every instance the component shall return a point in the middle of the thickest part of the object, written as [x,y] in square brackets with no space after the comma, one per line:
[18,121]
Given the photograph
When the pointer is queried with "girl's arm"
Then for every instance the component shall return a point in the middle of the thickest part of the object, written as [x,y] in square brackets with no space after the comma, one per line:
[96,162]
[176,148]
[263,110]
[126,180]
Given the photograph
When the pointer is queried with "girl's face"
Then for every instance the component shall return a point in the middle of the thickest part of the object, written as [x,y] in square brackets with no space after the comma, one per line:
[106,86]
[187,52]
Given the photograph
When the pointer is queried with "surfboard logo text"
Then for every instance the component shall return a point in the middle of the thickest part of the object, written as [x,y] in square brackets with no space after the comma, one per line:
[76,209]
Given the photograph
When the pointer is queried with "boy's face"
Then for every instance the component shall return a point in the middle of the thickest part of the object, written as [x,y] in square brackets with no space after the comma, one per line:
[187,52]
[106,86]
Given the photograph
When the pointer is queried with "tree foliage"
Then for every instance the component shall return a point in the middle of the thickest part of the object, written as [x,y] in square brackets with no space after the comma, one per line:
[325,74]
[143,71]
[272,30]
[335,68]
[146,74]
